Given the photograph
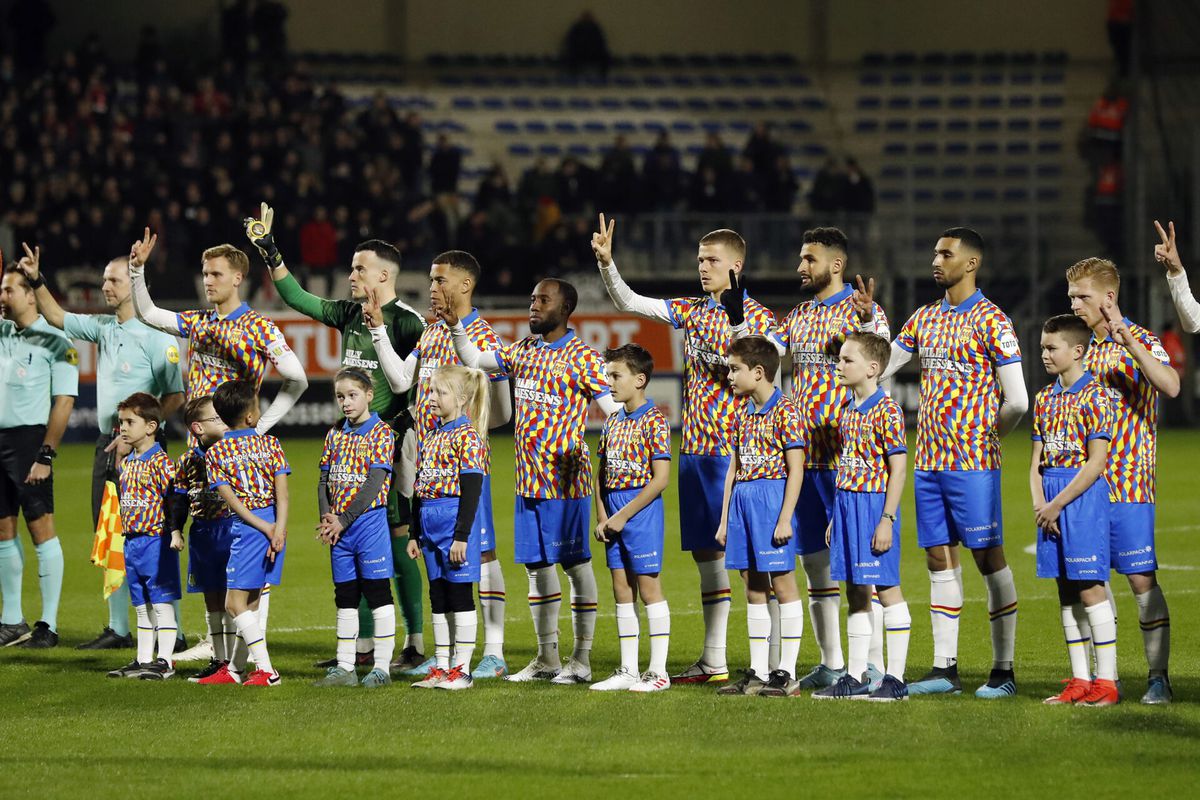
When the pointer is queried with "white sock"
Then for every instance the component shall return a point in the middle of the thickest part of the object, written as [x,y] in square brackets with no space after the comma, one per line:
[758,624]
[773,650]
[466,628]
[875,654]
[441,640]
[364,644]
[415,641]
[824,608]
[168,630]
[584,600]
[545,598]
[627,634]
[145,634]
[858,641]
[898,622]
[1002,612]
[1155,620]
[1104,636]
[248,628]
[264,610]
[347,634]
[493,601]
[239,654]
[1081,668]
[715,601]
[385,635]
[1085,633]
[216,631]
[945,604]
[791,628]
[658,620]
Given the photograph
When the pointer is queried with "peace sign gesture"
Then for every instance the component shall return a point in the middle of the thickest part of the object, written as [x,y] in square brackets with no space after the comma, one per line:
[29,264]
[372,313]
[441,307]
[863,299]
[602,241]
[1116,327]
[1166,252]
[139,254]
[733,299]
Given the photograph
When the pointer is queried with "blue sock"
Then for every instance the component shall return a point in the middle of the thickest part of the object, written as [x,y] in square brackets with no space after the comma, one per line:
[11,567]
[50,578]
[118,610]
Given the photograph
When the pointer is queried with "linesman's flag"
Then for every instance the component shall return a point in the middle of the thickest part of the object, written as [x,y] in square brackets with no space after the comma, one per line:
[108,547]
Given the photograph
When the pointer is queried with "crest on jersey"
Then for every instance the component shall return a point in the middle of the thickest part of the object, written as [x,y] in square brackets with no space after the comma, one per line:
[72,356]
[172,354]
[559,369]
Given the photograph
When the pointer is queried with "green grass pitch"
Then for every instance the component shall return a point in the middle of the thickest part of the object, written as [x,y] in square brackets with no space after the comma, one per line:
[70,731]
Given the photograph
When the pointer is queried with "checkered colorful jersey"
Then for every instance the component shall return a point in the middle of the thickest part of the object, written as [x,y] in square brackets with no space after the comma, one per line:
[236,347]
[813,333]
[145,483]
[248,463]
[436,349]
[868,434]
[1066,419]
[1133,452]
[191,478]
[553,384]
[763,434]
[629,442]
[447,452]
[351,452]
[960,348]
[710,409]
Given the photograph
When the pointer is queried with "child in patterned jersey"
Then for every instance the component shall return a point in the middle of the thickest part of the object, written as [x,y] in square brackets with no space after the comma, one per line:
[635,467]
[151,557]
[451,464]
[356,472]
[864,529]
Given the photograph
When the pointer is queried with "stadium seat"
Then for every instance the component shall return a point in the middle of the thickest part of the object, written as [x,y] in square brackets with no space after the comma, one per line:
[869,102]
[520,150]
[924,172]
[866,126]
[1020,101]
[566,127]
[1050,124]
[537,127]
[549,149]
[521,103]
[899,102]
[624,126]
[985,171]
[595,126]
[891,172]
[507,127]
[1018,148]
[954,171]
[987,125]
[929,101]
[896,125]
[1046,147]
[958,125]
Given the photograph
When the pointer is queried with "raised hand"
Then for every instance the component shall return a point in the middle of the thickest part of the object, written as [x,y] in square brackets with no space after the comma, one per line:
[139,254]
[602,241]
[733,299]
[258,231]
[1165,252]
[1116,326]
[29,263]
[441,307]
[372,312]
[863,299]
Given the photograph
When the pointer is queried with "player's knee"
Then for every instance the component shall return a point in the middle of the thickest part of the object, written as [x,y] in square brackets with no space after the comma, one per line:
[460,597]
[437,596]
[377,591]
[346,594]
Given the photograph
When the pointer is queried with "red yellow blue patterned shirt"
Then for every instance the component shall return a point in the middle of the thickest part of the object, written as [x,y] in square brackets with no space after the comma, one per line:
[446,453]
[351,452]
[869,434]
[553,382]
[1133,452]
[1066,419]
[191,478]
[248,463]
[813,333]
[235,347]
[960,348]
[145,483]
[710,409]
[435,349]
[763,434]
[630,442]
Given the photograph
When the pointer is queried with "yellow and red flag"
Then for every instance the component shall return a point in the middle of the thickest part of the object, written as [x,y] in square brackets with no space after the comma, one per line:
[108,547]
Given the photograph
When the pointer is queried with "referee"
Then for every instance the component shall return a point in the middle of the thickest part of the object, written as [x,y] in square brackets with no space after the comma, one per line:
[39,378]
[131,357]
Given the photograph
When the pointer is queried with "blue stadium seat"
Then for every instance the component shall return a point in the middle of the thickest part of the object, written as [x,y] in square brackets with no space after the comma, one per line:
[1053,78]
[953,195]
[580,150]
[1050,124]
[769,80]
[869,102]
[537,127]
[522,103]
[1046,147]
[640,103]
[712,126]
[727,103]
[1052,101]
[892,172]
[895,149]
[987,149]
[1020,101]
[891,196]
[957,149]
[799,126]
[923,196]
[959,101]
[932,78]
[549,149]
[653,125]
[654,81]
[1016,170]
[987,125]
[520,150]
[954,171]
[739,126]
[1049,171]
[991,101]
[712,80]
[698,104]
[683,126]
[870,79]
[813,103]
[984,195]
[1019,124]
[595,126]
[1021,79]
[925,149]
[754,103]
[740,81]
[1048,194]
[814,150]
[901,79]
[866,126]
[624,126]
[929,101]
[551,103]
[1016,194]
[506,126]
[958,125]
[625,81]
[962,79]
[566,127]
[492,103]
[667,104]
[896,125]
[581,103]
[798,80]
[463,103]
[783,103]
[610,103]
[991,79]
[1018,148]
[924,172]
[985,171]
[683,81]
[899,102]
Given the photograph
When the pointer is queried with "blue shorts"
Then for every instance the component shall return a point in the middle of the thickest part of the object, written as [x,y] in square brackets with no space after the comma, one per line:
[438,517]
[365,549]
[638,547]
[813,510]
[208,554]
[701,489]
[552,531]
[151,570]
[1079,552]
[855,517]
[958,507]
[1131,538]
[754,509]
[248,567]
[485,524]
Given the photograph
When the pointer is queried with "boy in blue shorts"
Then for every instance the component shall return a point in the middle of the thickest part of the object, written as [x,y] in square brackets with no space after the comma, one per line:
[1072,429]
[249,471]
[864,529]
[757,526]
[151,557]
[635,467]
[208,550]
